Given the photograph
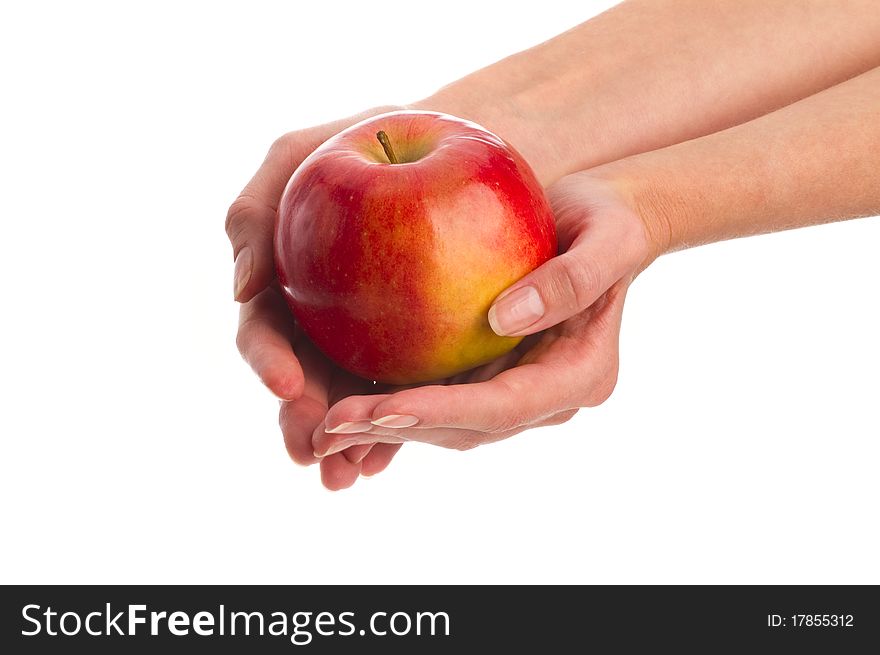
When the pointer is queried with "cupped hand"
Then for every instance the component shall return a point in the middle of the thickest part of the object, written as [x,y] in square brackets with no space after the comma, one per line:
[570,308]
[304,380]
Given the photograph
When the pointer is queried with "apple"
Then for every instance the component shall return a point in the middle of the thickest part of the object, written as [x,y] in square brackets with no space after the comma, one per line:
[394,237]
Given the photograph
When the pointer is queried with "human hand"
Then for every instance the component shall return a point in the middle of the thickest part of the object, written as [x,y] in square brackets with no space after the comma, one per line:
[306,382]
[571,307]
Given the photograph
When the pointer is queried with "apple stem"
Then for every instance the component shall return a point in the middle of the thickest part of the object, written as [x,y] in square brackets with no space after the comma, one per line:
[386,146]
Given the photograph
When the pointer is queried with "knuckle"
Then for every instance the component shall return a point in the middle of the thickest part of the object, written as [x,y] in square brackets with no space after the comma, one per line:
[282,144]
[562,417]
[466,441]
[602,391]
[503,422]
[565,197]
[243,337]
[237,218]
[577,283]
[512,414]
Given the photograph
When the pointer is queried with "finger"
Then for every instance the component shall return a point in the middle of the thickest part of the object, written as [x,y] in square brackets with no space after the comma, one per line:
[447,437]
[453,438]
[250,221]
[523,395]
[379,458]
[605,241]
[299,418]
[356,454]
[326,443]
[513,398]
[352,401]
[467,439]
[461,412]
[345,384]
[556,419]
[349,415]
[338,473]
[353,414]
[344,421]
[265,334]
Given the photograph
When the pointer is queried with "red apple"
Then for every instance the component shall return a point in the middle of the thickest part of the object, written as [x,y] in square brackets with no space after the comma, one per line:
[390,254]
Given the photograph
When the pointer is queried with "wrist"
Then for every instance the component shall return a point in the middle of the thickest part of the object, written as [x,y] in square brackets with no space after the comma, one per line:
[652,198]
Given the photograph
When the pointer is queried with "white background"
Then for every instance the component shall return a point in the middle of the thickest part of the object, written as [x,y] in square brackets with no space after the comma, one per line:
[741,444]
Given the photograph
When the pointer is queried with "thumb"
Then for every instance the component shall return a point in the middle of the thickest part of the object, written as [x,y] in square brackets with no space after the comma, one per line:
[607,243]
[250,222]
[250,226]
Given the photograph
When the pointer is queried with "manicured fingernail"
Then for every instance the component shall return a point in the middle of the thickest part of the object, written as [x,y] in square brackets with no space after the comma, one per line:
[516,311]
[338,447]
[396,421]
[351,427]
[244,266]
[335,448]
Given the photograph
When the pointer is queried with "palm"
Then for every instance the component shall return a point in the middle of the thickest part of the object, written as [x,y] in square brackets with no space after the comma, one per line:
[550,374]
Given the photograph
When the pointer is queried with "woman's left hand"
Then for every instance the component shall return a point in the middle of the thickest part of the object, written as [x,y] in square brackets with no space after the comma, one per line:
[571,306]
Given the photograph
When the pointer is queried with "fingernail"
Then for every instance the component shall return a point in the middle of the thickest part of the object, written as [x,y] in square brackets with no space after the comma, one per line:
[516,311]
[337,448]
[351,427]
[244,266]
[396,421]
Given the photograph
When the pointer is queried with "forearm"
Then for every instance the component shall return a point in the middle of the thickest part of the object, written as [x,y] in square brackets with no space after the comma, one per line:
[650,73]
[814,161]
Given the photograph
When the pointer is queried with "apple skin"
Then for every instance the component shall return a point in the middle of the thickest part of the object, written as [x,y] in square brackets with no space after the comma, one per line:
[390,269]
